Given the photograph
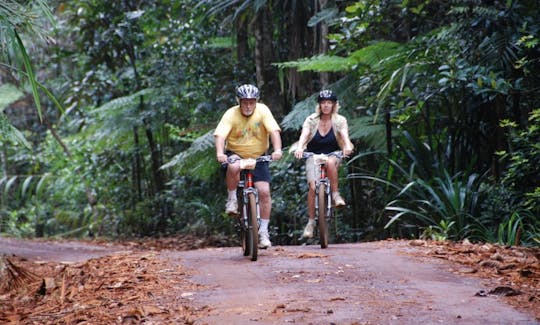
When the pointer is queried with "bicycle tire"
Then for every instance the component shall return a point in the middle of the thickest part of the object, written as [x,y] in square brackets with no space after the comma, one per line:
[253,227]
[244,237]
[242,223]
[323,226]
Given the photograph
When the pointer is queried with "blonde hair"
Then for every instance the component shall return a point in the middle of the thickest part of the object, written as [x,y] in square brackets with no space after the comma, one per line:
[335,108]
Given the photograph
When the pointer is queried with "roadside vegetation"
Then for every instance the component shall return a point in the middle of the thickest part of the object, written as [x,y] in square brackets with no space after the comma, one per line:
[108,107]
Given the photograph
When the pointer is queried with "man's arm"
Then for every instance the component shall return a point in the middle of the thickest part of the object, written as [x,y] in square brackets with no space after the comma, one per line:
[275,138]
[220,148]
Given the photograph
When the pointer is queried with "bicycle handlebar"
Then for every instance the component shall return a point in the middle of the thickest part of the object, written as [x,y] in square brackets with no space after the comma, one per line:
[264,158]
[338,154]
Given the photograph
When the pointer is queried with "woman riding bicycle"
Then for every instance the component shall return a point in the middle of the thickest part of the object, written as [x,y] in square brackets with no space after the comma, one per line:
[323,132]
[244,131]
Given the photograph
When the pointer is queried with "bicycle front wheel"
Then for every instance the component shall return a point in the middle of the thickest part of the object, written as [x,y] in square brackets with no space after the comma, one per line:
[323,226]
[253,227]
[243,229]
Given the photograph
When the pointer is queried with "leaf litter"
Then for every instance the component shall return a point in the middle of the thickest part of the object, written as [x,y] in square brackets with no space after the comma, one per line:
[513,272]
[138,286]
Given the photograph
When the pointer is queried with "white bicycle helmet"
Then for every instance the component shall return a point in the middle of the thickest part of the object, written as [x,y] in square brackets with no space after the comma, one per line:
[247,91]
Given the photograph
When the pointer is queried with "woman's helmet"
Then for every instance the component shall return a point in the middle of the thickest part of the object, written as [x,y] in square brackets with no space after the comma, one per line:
[247,91]
[327,95]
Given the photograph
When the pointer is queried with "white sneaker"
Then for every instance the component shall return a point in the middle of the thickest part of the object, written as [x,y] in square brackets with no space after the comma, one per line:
[264,240]
[308,230]
[338,200]
[231,207]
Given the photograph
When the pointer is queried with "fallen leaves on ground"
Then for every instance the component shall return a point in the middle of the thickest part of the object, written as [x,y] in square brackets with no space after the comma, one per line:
[514,272]
[126,288]
[137,286]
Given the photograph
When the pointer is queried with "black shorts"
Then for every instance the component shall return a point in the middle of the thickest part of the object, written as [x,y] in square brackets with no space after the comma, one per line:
[261,173]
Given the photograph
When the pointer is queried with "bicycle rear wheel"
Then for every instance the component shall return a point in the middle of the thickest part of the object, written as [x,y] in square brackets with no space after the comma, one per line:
[253,227]
[323,226]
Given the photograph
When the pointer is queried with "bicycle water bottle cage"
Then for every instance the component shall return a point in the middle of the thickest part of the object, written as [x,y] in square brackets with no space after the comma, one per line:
[248,163]
[320,159]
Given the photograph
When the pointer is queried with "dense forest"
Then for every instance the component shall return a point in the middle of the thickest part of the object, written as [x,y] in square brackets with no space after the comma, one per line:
[108,108]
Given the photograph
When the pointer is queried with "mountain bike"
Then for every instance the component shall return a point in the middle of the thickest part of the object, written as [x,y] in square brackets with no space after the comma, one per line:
[323,194]
[248,205]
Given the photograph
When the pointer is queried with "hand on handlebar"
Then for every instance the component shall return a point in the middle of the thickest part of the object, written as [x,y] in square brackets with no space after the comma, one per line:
[299,153]
[276,155]
[221,158]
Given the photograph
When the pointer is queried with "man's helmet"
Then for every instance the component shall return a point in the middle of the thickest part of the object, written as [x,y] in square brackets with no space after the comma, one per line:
[247,91]
[327,95]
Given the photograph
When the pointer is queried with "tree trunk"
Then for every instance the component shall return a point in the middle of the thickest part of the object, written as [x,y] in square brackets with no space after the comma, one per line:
[242,46]
[299,42]
[323,39]
[267,77]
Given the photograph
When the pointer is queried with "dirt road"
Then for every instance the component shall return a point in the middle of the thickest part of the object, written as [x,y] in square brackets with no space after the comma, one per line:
[371,283]
[367,283]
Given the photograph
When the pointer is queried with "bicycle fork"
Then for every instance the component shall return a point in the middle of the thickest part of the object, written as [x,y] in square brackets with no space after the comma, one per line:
[326,182]
[249,187]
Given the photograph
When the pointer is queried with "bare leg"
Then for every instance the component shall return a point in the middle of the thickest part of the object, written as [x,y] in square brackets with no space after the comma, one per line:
[332,168]
[311,200]
[265,200]
[233,176]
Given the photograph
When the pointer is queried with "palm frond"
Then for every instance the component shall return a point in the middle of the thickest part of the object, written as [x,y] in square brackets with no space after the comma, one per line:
[320,63]
[8,133]
[344,88]
[325,15]
[364,129]
[374,54]
[118,116]
[196,161]
[14,276]
[8,95]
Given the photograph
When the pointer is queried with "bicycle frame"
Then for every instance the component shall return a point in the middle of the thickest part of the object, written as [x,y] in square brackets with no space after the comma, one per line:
[319,183]
[248,197]
[323,195]
[244,188]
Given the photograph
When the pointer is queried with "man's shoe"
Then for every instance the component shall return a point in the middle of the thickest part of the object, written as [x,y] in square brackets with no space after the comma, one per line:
[338,200]
[308,230]
[264,240]
[231,207]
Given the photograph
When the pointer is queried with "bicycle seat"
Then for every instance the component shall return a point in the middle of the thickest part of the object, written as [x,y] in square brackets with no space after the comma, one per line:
[248,163]
[320,159]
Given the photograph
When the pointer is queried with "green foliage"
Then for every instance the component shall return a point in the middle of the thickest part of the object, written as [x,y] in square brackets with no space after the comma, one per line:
[320,63]
[143,83]
[522,176]
[449,203]
[9,134]
[427,197]
[194,160]
[9,94]
[509,231]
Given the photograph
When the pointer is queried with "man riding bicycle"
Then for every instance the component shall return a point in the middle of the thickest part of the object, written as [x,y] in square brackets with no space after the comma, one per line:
[244,131]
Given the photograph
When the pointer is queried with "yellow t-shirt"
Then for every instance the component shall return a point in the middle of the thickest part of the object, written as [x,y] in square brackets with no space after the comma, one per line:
[247,136]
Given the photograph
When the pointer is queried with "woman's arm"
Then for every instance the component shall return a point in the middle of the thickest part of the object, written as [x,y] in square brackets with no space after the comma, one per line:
[348,146]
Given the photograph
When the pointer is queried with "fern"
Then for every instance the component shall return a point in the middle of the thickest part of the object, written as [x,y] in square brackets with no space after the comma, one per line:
[372,134]
[8,95]
[9,133]
[374,54]
[320,63]
[196,161]
[117,118]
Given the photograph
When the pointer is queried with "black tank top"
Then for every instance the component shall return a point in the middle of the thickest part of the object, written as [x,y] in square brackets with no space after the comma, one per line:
[326,144]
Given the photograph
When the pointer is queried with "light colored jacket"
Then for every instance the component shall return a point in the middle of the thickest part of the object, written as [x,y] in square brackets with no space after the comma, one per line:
[339,123]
